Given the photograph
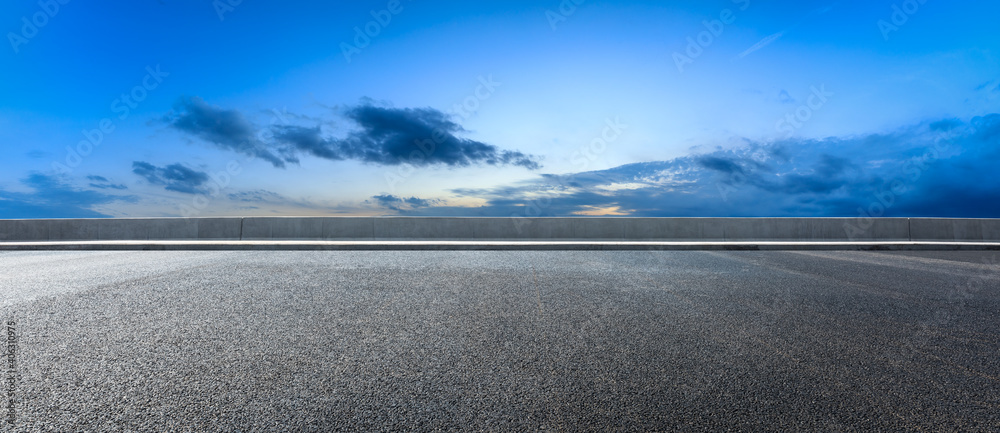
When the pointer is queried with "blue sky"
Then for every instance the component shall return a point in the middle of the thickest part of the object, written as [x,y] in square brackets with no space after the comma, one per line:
[499,108]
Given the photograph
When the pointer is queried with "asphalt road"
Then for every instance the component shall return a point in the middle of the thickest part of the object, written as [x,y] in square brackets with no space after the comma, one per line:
[503,341]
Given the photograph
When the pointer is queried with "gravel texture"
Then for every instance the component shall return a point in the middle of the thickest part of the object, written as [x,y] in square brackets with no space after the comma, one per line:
[503,341]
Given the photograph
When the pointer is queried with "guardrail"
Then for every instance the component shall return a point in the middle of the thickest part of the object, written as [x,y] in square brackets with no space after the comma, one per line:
[490,228]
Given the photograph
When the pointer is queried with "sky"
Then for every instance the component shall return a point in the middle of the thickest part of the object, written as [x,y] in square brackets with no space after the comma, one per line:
[200,108]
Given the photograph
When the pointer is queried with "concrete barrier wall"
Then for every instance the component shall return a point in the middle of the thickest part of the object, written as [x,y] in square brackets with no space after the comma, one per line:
[325,228]
[489,228]
[120,229]
[943,229]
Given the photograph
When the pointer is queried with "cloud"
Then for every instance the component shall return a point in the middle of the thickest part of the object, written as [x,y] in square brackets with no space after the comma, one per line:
[986,85]
[720,163]
[763,43]
[52,197]
[174,177]
[987,128]
[278,204]
[768,40]
[392,136]
[308,140]
[936,169]
[255,196]
[384,136]
[101,182]
[945,125]
[392,202]
[226,129]
[785,98]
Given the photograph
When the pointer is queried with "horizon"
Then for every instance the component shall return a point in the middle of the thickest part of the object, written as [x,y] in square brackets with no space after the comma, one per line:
[729,108]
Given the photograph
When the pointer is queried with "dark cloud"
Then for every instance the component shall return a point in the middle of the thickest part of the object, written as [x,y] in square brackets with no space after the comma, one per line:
[988,128]
[419,202]
[402,204]
[174,177]
[385,136]
[308,140]
[391,136]
[832,166]
[987,85]
[721,164]
[227,129]
[945,125]
[915,172]
[276,203]
[785,98]
[101,182]
[52,197]
[803,184]
[824,176]
[256,196]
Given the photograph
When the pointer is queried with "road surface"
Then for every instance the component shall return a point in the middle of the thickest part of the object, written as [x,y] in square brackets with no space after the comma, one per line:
[503,341]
